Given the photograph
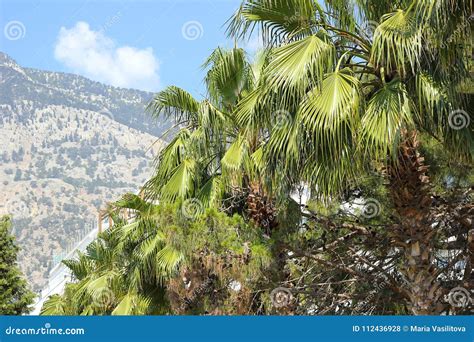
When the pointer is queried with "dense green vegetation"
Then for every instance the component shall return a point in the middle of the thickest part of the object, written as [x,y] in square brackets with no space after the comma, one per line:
[358,105]
[15,297]
[145,267]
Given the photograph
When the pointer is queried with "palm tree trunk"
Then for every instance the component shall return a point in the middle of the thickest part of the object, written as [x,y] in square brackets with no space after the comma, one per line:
[410,192]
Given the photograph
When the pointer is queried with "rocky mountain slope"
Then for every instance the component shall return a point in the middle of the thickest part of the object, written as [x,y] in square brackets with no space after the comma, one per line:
[68,145]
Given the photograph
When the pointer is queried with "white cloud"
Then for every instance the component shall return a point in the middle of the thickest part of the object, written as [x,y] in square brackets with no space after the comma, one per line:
[94,55]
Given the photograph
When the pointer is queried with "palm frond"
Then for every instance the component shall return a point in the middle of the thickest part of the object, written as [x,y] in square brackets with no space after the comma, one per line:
[335,102]
[176,103]
[56,305]
[397,42]
[228,75]
[295,64]
[168,259]
[279,20]
[388,112]
[182,181]
[212,191]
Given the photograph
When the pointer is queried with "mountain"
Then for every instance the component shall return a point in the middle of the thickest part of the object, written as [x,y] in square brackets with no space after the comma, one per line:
[68,145]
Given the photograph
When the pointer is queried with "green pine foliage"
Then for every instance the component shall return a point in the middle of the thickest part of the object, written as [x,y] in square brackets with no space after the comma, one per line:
[164,262]
[15,296]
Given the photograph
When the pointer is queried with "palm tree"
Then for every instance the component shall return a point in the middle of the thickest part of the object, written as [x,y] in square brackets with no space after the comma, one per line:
[342,88]
[160,261]
[113,275]
[212,154]
[363,83]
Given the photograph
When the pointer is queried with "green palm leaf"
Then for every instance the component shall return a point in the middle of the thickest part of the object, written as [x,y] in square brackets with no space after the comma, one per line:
[182,181]
[295,64]
[397,42]
[335,102]
[174,102]
[279,20]
[388,112]
[168,259]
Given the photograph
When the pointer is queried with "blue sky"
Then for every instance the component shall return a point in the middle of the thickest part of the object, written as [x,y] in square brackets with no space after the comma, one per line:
[143,44]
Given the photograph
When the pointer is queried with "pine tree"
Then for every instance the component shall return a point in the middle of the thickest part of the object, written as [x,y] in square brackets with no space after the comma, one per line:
[15,297]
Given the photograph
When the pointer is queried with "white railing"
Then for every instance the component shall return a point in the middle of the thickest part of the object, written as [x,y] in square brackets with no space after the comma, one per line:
[60,275]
